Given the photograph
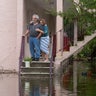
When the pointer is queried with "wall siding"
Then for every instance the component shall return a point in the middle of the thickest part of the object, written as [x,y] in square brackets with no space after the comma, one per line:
[8,29]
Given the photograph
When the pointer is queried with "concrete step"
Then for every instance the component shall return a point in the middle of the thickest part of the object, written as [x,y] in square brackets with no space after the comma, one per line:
[38,64]
[36,74]
[36,69]
[37,82]
[30,78]
[37,77]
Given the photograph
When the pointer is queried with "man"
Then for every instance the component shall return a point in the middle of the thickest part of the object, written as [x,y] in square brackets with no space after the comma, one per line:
[35,31]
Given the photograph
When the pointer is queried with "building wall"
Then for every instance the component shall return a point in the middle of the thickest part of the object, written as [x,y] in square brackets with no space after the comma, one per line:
[8,32]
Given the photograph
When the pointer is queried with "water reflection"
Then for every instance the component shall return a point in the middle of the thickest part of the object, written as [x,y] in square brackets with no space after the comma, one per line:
[86,79]
[35,90]
[63,85]
[41,87]
[36,87]
[9,85]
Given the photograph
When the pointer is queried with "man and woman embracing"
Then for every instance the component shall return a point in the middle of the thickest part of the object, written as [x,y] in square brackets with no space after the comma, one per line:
[38,38]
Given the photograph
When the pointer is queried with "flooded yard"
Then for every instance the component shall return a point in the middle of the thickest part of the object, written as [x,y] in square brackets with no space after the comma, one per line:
[11,85]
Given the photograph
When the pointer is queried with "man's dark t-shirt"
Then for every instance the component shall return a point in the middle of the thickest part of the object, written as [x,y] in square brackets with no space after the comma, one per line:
[32,29]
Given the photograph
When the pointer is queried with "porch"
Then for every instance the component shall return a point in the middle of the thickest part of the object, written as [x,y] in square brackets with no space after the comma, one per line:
[58,41]
[55,24]
[41,7]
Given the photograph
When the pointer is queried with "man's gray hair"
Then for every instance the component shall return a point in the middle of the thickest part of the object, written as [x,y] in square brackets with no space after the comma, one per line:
[36,16]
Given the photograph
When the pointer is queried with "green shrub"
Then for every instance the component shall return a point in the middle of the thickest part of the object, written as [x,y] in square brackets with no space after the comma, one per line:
[88,49]
[27,59]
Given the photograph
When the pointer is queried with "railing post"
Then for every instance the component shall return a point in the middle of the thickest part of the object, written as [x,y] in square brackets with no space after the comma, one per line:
[51,63]
[75,32]
[61,41]
[22,51]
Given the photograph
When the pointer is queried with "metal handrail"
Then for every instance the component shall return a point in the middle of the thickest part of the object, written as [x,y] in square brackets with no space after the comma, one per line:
[53,52]
[51,63]
[53,45]
[22,53]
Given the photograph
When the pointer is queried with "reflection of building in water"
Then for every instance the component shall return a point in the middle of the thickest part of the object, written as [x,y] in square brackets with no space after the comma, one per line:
[26,93]
[36,87]
[27,89]
[9,85]
[35,91]
[67,73]
[66,80]
[44,91]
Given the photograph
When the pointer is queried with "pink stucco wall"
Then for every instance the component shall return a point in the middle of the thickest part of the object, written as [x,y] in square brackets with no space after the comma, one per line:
[8,29]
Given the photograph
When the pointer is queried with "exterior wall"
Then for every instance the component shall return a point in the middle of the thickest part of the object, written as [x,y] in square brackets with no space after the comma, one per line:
[59,26]
[20,28]
[8,30]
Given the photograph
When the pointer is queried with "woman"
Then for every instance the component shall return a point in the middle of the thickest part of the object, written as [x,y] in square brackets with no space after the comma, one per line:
[44,41]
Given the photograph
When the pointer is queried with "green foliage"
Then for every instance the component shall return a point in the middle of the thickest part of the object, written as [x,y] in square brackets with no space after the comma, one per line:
[88,49]
[90,4]
[85,84]
[84,12]
[52,12]
[88,33]
[27,59]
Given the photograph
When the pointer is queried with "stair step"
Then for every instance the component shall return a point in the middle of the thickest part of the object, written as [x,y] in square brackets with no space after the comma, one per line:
[38,64]
[36,67]
[36,81]
[37,77]
[34,73]
[32,78]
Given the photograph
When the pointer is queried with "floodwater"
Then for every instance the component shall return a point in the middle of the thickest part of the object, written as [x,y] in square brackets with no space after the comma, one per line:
[11,85]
